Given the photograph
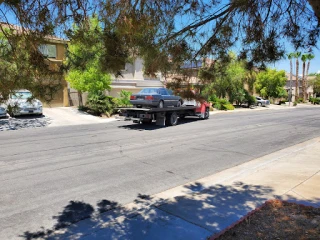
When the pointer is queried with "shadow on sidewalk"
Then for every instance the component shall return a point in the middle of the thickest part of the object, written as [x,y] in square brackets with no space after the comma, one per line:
[196,215]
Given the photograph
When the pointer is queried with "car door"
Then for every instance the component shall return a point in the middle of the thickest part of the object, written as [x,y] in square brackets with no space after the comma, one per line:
[173,99]
[166,97]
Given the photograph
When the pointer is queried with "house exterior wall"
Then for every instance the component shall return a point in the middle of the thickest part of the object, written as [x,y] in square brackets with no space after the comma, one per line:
[61,97]
[309,88]
[133,79]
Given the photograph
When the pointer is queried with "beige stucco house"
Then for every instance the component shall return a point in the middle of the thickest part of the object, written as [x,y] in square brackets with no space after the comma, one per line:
[309,87]
[133,79]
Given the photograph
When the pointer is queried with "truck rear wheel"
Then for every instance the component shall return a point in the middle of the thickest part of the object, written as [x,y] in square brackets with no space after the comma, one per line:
[207,113]
[172,119]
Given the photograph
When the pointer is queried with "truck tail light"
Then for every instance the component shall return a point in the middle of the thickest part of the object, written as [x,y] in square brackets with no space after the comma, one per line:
[133,97]
[149,98]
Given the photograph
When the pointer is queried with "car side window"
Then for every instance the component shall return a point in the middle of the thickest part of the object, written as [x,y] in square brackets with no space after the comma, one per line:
[170,92]
[163,92]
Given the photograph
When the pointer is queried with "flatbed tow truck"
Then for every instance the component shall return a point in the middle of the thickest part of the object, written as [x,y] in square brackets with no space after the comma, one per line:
[168,116]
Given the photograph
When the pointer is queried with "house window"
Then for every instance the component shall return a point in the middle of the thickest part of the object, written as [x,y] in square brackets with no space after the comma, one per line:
[48,50]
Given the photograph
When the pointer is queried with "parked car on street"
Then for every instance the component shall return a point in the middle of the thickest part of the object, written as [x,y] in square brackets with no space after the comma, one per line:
[155,97]
[262,102]
[3,111]
[21,102]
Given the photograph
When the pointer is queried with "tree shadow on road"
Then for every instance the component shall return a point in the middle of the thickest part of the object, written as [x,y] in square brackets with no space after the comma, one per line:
[197,214]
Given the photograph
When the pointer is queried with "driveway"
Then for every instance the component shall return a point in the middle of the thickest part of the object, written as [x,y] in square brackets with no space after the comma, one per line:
[66,116]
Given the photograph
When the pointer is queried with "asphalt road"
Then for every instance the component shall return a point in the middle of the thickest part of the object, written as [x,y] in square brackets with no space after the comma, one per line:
[42,170]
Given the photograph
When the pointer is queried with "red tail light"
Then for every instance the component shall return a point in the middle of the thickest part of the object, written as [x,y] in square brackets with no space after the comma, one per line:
[149,97]
[133,97]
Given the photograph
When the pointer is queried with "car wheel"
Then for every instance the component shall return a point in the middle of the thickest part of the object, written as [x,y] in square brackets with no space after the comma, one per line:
[171,119]
[160,105]
[259,104]
[207,113]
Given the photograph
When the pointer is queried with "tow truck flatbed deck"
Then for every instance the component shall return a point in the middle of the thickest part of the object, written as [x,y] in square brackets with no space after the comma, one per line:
[155,110]
[167,116]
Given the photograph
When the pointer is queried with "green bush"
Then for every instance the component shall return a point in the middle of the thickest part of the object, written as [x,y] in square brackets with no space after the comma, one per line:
[228,106]
[314,100]
[295,103]
[222,104]
[282,102]
[300,100]
[251,100]
[217,105]
[99,103]
[124,99]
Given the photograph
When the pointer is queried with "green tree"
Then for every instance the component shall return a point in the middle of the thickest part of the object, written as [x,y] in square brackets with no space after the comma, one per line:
[250,79]
[22,66]
[270,83]
[226,79]
[83,61]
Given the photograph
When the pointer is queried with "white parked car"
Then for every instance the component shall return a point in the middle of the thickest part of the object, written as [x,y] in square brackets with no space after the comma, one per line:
[22,103]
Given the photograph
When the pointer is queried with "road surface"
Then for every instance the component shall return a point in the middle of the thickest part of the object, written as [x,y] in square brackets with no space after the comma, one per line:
[42,170]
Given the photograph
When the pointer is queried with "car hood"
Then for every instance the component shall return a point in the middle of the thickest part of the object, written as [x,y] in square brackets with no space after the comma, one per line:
[25,102]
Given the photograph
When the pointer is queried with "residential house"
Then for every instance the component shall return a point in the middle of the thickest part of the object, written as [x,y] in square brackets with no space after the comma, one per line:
[293,85]
[133,79]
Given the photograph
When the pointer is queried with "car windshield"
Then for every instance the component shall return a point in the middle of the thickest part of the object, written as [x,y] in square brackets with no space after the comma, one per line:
[149,91]
[21,95]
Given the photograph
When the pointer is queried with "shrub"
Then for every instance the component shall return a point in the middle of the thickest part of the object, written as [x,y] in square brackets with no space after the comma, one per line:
[295,103]
[282,102]
[314,100]
[124,99]
[222,104]
[217,105]
[98,103]
[228,106]
[300,100]
[251,100]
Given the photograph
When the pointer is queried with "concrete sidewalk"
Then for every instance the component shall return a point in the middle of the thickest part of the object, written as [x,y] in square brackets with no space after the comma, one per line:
[200,209]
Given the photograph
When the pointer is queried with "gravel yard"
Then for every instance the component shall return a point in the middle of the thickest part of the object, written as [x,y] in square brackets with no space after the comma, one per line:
[23,122]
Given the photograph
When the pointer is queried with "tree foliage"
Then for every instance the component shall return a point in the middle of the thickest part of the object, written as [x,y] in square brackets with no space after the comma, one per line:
[22,66]
[83,60]
[270,83]
[227,79]
[166,33]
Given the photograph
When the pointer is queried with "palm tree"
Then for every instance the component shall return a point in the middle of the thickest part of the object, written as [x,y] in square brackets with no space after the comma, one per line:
[309,58]
[290,56]
[296,55]
[304,59]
